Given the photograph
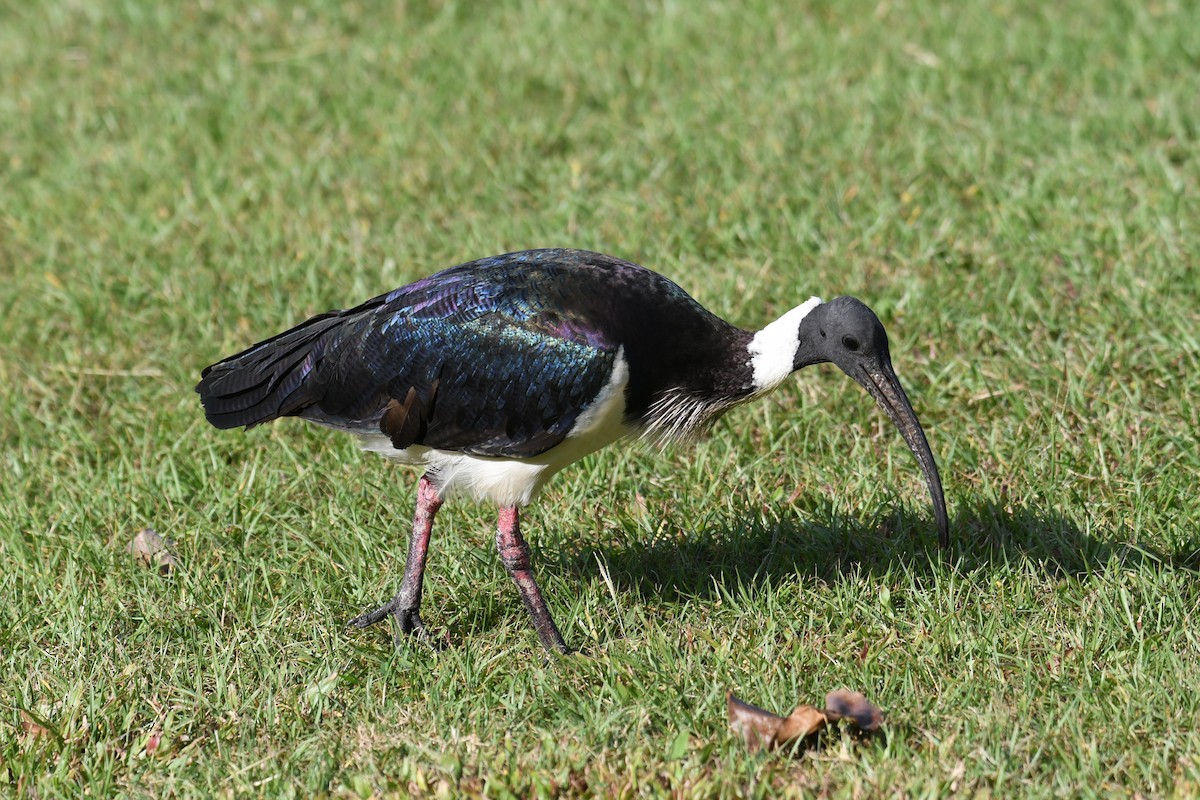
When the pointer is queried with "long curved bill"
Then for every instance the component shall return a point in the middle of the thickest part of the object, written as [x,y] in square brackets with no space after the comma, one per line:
[881,381]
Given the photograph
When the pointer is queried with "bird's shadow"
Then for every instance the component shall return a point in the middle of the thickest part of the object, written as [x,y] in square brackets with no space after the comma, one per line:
[675,564]
[751,548]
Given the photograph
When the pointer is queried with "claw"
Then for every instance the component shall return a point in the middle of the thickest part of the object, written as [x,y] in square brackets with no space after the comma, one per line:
[408,623]
[371,617]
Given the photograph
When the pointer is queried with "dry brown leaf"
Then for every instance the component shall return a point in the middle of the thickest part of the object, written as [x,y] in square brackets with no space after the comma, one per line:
[804,721]
[152,550]
[854,707]
[31,728]
[761,729]
[34,727]
[757,726]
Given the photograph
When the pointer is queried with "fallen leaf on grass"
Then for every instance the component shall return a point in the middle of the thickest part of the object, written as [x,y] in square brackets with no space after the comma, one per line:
[152,550]
[760,728]
[31,727]
[854,707]
[802,722]
[34,727]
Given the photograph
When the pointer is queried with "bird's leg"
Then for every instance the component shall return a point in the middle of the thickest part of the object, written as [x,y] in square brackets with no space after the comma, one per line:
[405,607]
[514,554]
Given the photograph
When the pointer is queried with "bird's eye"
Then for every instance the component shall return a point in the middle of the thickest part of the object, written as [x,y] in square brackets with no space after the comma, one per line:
[850,343]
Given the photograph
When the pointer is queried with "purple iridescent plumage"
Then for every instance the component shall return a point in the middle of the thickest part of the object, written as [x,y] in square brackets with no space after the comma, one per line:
[500,355]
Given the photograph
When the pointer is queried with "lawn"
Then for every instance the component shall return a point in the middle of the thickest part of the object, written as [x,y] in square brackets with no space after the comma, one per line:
[1014,187]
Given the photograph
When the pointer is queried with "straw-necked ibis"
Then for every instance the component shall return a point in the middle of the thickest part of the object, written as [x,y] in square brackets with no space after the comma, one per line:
[494,375]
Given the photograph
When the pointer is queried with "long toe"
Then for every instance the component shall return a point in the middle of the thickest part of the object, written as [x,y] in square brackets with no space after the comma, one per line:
[409,625]
[372,617]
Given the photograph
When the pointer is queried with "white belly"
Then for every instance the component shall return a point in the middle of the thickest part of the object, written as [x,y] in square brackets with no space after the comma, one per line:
[516,481]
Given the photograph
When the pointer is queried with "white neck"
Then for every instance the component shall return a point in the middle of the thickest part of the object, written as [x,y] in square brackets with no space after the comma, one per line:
[773,349]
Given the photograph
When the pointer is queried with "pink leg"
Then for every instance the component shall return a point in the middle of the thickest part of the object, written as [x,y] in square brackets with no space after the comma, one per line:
[405,607]
[514,554]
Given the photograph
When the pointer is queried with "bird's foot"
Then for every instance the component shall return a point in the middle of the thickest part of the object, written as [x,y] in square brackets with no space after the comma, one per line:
[408,623]
[372,617]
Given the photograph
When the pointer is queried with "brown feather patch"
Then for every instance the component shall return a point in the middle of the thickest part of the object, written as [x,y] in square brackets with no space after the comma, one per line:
[402,420]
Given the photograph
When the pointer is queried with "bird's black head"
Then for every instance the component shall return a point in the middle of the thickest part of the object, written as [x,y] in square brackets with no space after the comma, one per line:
[843,331]
[847,333]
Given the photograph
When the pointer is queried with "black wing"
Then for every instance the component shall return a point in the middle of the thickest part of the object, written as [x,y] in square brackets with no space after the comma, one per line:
[480,358]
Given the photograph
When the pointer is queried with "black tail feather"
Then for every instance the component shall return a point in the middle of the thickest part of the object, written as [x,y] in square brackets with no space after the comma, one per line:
[268,380]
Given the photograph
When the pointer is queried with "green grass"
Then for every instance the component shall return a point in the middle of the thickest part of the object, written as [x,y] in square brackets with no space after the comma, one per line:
[1013,188]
